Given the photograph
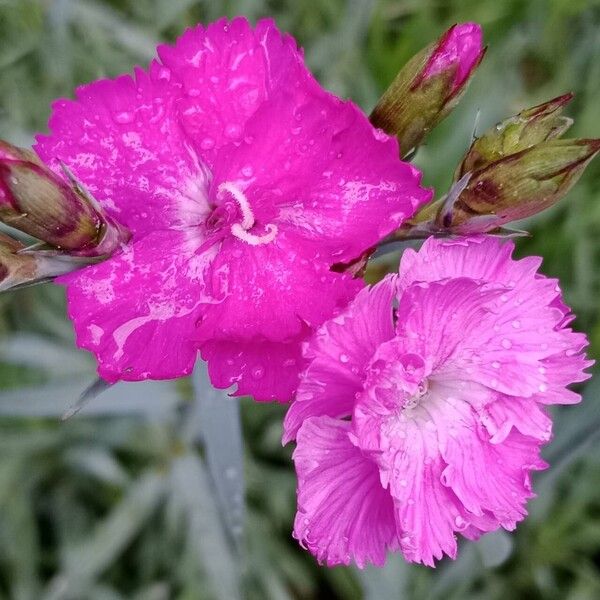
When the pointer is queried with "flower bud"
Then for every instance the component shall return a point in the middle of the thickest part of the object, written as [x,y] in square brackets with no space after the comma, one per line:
[429,86]
[518,186]
[530,127]
[19,268]
[36,201]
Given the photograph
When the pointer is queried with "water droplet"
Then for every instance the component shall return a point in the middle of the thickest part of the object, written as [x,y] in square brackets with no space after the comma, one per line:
[504,298]
[459,522]
[233,131]
[403,483]
[516,324]
[247,171]
[124,117]
[258,372]
[496,364]
[507,344]
[207,143]
[164,74]
[543,387]
[542,370]
[344,358]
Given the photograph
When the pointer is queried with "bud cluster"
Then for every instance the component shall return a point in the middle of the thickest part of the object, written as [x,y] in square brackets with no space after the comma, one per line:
[72,228]
[515,170]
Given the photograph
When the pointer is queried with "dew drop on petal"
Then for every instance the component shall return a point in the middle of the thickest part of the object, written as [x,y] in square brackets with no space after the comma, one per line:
[543,387]
[164,74]
[459,522]
[507,344]
[207,143]
[124,117]
[344,358]
[516,324]
[233,131]
[258,372]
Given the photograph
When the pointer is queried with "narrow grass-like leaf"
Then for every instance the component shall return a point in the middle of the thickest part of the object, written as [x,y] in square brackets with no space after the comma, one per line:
[219,426]
[191,487]
[87,560]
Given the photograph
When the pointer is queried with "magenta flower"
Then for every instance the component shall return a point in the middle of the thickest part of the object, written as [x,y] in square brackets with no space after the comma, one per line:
[243,183]
[417,423]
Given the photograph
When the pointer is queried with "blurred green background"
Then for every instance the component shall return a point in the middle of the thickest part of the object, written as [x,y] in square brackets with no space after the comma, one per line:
[140,496]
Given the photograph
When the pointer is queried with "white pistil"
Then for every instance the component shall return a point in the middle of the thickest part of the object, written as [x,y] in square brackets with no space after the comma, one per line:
[240,230]
[254,240]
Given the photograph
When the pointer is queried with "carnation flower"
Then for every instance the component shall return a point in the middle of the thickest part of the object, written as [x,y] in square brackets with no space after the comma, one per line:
[242,183]
[419,422]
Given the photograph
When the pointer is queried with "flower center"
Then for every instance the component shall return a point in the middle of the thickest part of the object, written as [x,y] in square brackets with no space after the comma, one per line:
[413,400]
[241,229]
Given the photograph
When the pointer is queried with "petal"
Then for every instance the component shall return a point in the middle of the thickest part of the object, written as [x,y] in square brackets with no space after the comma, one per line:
[339,353]
[122,139]
[227,70]
[488,478]
[263,369]
[428,514]
[506,413]
[480,258]
[271,291]
[315,165]
[343,512]
[497,336]
[137,311]
[442,468]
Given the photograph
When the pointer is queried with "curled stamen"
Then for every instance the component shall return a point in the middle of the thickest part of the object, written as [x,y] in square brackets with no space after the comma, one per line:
[238,196]
[254,240]
[240,230]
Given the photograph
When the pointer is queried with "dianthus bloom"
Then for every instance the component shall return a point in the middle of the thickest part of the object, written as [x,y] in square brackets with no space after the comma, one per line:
[422,410]
[242,183]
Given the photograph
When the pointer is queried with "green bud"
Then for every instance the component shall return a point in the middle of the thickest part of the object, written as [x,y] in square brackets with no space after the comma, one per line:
[518,186]
[530,127]
[36,201]
[429,86]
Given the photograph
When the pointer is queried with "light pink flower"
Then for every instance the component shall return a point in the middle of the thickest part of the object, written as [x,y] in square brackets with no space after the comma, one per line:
[423,421]
[243,183]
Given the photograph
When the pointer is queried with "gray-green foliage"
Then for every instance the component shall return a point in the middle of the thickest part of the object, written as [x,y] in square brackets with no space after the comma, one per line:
[138,495]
